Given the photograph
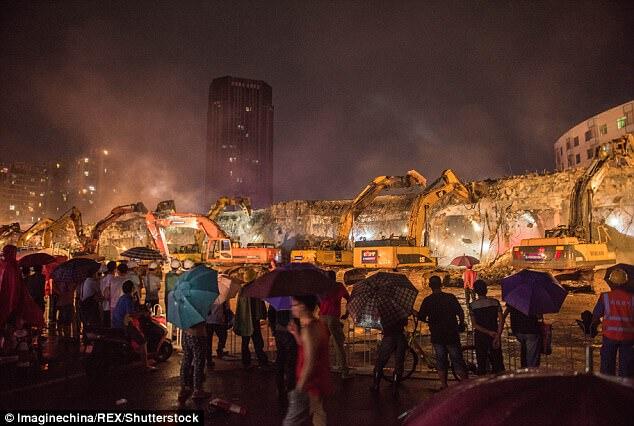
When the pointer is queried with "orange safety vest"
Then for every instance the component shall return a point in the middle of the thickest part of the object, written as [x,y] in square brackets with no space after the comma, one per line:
[618,318]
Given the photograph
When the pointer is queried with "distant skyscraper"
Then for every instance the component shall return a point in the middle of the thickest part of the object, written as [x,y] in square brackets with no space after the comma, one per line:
[239,154]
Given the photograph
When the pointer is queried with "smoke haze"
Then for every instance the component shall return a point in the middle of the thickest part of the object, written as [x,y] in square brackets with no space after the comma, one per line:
[360,89]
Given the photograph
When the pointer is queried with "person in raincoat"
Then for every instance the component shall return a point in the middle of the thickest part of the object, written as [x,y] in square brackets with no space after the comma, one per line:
[249,312]
[16,305]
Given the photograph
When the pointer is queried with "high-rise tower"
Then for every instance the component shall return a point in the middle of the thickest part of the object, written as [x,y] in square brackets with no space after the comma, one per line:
[239,154]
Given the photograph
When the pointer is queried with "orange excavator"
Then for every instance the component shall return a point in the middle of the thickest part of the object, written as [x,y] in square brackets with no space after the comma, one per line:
[168,229]
[90,243]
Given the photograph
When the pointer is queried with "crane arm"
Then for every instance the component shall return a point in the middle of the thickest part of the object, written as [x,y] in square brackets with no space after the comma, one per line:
[71,215]
[243,202]
[619,150]
[91,243]
[447,183]
[369,193]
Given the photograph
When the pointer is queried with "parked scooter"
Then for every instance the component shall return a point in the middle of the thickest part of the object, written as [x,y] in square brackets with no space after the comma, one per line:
[109,347]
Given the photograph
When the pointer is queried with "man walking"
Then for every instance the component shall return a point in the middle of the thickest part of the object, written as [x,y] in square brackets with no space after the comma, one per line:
[105,285]
[446,320]
[330,313]
[486,317]
[617,309]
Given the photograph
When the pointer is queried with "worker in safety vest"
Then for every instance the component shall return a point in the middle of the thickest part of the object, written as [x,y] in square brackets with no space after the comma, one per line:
[617,309]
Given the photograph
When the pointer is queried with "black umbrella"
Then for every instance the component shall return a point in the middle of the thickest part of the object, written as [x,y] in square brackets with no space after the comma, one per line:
[142,253]
[294,279]
[75,271]
[34,259]
[382,300]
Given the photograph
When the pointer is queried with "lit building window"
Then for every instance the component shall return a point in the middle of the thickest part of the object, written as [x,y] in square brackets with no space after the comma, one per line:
[247,109]
[85,160]
[105,152]
[11,207]
[57,165]
[603,129]
[621,122]
[86,173]
[91,187]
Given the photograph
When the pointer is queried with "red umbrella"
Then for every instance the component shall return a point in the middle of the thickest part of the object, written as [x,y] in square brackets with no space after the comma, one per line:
[530,398]
[464,260]
[34,259]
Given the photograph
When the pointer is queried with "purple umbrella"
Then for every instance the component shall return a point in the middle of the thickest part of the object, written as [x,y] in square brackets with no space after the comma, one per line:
[533,292]
[280,303]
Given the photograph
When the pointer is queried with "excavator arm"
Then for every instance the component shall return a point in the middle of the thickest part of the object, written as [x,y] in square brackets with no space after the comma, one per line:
[90,244]
[447,183]
[243,202]
[369,193]
[165,216]
[618,150]
[71,215]
[34,229]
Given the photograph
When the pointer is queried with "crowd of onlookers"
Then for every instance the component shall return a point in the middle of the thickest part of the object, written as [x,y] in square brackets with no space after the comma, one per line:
[117,291]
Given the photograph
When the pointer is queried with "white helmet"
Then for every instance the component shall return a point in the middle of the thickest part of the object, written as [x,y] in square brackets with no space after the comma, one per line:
[175,264]
[152,266]
[188,264]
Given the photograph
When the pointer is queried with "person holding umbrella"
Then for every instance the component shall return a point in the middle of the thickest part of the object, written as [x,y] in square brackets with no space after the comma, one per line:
[617,309]
[529,294]
[486,317]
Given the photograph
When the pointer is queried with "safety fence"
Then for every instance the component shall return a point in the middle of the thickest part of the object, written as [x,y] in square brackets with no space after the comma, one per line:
[569,348]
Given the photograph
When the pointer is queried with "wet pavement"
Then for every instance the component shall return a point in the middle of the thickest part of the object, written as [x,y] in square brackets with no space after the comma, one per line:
[253,389]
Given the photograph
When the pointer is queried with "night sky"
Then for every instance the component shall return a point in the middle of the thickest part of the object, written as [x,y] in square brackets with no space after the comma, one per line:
[360,88]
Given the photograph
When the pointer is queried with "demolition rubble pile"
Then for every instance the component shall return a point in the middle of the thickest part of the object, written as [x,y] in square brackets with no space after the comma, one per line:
[509,209]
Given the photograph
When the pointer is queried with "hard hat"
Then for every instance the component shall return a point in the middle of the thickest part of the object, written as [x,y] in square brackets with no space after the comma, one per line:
[618,277]
[175,264]
[152,266]
[132,264]
[188,264]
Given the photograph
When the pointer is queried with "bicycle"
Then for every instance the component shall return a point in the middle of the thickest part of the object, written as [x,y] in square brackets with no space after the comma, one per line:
[416,352]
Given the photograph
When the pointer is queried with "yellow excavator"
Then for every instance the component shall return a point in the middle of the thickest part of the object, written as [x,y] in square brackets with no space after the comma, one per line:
[338,252]
[7,232]
[411,251]
[223,202]
[37,227]
[49,226]
[90,244]
[573,250]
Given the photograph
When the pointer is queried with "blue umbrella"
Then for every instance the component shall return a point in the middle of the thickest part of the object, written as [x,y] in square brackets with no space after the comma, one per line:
[192,297]
[533,292]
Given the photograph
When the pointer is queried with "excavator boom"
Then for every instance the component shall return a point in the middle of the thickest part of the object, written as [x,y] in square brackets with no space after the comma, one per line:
[447,183]
[368,194]
[91,243]
[243,202]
